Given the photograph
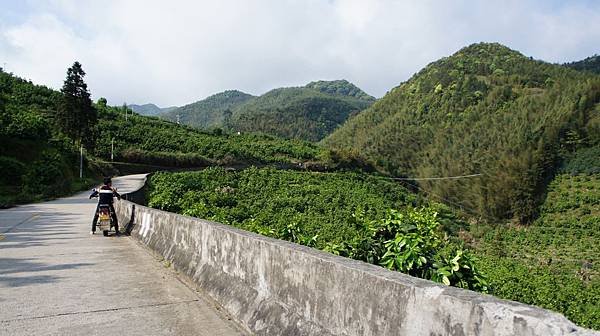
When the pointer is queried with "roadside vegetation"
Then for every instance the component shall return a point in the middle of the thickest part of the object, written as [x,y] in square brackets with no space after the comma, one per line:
[348,214]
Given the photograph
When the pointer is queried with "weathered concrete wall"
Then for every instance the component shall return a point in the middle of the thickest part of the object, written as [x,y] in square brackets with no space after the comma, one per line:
[279,288]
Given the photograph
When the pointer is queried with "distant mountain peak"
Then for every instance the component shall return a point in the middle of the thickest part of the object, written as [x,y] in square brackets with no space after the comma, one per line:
[590,64]
[339,87]
[149,109]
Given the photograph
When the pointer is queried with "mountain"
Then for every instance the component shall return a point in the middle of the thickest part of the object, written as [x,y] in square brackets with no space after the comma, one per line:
[150,109]
[591,64]
[211,112]
[340,88]
[485,110]
[308,113]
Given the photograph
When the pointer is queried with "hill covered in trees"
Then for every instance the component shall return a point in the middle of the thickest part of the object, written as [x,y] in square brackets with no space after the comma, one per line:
[150,109]
[37,158]
[309,113]
[150,140]
[212,112]
[591,64]
[485,110]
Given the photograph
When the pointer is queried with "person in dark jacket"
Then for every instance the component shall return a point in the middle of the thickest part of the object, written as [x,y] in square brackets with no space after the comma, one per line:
[105,195]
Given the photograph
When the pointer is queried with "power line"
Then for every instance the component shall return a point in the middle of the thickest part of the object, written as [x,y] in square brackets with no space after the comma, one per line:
[443,199]
[433,178]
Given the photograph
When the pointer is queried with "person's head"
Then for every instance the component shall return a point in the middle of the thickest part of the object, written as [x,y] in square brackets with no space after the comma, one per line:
[107,181]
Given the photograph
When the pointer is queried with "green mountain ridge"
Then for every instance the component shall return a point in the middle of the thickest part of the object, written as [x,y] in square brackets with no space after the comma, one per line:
[486,109]
[308,113]
[150,109]
[591,64]
[211,112]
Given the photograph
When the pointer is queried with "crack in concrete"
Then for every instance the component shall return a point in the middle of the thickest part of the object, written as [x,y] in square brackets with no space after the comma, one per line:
[100,311]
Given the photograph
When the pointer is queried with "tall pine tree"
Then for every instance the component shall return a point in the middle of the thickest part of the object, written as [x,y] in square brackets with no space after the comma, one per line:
[76,116]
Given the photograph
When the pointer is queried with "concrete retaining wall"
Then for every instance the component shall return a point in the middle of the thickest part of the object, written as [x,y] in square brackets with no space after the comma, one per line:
[278,288]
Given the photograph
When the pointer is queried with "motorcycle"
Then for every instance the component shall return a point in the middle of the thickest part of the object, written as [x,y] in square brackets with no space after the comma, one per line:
[105,222]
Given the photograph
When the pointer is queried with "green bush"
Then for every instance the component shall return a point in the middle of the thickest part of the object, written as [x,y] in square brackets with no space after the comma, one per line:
[11,171]
[584,161]
[167,159]
[47,176]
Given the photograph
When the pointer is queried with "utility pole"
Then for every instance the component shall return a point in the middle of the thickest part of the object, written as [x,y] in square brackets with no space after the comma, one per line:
[81,161]
[112,150]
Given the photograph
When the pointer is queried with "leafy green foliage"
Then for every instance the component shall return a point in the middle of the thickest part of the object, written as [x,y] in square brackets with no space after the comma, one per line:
[584,161]
[340,213]
[555,262]
[76,116]
[591,64]
[486,109]
[149,134]
[36,160]
[11,170]
[189,160]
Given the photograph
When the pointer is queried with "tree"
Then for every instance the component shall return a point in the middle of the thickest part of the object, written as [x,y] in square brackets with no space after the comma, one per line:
[102,102]
[76,117]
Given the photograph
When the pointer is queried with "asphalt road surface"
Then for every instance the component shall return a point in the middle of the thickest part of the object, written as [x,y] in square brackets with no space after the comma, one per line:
[57,279]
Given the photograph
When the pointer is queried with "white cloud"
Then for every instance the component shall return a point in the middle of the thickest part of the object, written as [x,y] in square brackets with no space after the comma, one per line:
[180,51]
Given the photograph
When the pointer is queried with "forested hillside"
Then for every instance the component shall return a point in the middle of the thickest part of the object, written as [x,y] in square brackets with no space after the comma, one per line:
[150,109]
[485,110]
[212,112]
[150,140]
[36,160]
[591,64]
[340,88]
[309,113]
[39,160]
[554,262]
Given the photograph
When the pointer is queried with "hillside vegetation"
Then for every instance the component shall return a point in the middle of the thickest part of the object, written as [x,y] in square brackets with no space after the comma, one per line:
[486,109]
[347,214]
[154,141]
[591,64]
[36,161]
[309,113]
[555,262]
[150,109]
[212,112]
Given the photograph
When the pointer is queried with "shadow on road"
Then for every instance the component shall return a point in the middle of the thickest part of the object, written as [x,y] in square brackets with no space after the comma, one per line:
[29,268]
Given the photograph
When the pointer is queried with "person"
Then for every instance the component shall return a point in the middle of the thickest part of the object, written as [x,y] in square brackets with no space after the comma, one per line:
[105,195]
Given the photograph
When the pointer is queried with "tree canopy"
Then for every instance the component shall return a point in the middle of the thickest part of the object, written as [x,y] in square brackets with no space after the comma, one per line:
[76,116]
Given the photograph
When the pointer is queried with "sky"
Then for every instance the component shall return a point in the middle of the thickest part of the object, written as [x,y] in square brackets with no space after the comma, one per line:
[177,52]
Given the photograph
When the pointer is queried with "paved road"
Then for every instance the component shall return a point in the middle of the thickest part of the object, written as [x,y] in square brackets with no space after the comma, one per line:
[57,279]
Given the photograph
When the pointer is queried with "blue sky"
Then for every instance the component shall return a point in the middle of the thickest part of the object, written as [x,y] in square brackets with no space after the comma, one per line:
[176,52]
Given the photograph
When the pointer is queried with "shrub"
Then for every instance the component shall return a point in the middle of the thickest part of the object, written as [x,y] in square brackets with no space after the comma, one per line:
[11,171]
